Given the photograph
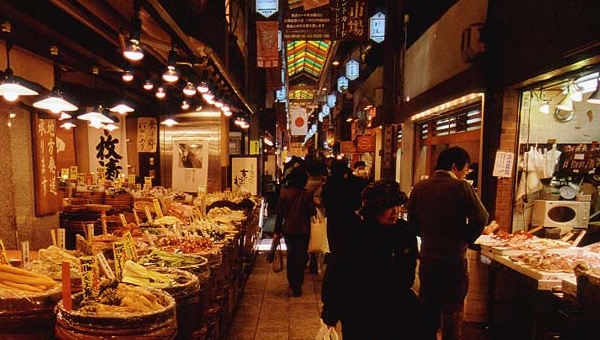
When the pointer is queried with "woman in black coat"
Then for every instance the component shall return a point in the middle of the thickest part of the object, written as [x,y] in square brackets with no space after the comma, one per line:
[368,284]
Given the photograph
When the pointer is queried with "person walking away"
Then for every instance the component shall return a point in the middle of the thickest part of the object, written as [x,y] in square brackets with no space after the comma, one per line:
[341,199]
[367,286]
[446,213]
[295,207]
[317,173]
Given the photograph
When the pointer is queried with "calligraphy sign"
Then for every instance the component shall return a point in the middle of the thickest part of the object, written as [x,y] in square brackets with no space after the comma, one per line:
[44,165]
[349,19]
[244,174]
[147,134]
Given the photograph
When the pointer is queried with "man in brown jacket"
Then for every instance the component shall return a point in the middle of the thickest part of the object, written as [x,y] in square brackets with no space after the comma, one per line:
[446,213]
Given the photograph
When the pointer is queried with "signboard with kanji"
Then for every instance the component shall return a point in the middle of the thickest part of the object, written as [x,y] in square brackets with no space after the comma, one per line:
[377,27]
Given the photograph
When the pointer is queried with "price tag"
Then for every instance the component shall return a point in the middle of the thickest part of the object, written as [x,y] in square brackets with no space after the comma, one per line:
[53,235]
[130,247]
[148,214]
[120,256]
[157,208]
[24,253]
[137,218]
[89,230]
[61,238]
[88,277]
[3,255]
[123,220]
[104,266]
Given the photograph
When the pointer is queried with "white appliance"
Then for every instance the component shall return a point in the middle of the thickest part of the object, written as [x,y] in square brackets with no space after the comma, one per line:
[560,214]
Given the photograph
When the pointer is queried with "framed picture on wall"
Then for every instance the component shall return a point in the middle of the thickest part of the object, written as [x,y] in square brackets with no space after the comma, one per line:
[244,175]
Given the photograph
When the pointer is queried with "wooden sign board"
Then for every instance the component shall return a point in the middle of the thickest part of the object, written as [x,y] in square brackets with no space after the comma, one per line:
[44,166]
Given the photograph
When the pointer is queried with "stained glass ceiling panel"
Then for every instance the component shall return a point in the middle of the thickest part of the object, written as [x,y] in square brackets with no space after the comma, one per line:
[306,56]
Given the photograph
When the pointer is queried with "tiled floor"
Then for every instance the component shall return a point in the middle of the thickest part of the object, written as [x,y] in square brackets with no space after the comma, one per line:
[267,311]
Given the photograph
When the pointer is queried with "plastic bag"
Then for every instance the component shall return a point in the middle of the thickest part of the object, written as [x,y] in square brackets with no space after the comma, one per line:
[326,333]
[318,242]
[277,264]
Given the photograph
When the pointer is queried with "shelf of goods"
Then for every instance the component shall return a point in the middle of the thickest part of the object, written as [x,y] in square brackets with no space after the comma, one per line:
[207,259]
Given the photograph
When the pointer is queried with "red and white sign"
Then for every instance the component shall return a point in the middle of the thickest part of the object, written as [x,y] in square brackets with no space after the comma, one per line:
[298,121]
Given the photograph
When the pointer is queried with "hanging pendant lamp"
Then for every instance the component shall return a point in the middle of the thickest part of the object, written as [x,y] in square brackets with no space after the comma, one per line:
[11,88]
[55,102]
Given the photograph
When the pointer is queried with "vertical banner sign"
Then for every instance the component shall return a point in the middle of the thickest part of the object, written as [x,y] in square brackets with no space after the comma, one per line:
[298,119]
[377,27]
[266,8]
[352,69]
[44,163]
[147,133]
[267,54]
[349,19]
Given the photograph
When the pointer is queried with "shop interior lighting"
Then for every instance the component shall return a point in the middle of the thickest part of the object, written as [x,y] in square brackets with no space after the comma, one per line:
[127,76]
[64,115]
[595,96]
[68,125]
[189,89]
[96,115]
[122,108]
[575,92]
[55,102]
[545,107]
[566,104]
[160,93]
[169,122]
[185,105]
[10,88]
[148,85]
[170,75]
[133,50]
[202,87]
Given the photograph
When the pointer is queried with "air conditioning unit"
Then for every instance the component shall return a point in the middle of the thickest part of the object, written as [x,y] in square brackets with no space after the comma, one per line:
[471,45]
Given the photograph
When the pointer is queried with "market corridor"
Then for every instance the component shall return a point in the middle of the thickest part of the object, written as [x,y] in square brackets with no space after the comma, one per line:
[267,311]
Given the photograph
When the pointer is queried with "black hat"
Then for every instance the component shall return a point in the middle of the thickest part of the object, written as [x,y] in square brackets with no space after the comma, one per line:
[382,194]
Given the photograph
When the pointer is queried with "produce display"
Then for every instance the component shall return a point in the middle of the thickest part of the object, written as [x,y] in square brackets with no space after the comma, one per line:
[17,280]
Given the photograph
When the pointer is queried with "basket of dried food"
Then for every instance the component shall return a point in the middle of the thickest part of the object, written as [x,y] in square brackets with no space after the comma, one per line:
[119,311]
[27,302]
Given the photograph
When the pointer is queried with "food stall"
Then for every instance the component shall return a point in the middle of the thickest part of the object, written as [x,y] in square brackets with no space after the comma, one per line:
[541,285]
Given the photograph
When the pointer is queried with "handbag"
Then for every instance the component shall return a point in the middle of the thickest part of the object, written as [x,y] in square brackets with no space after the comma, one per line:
[318,242]
[277,264]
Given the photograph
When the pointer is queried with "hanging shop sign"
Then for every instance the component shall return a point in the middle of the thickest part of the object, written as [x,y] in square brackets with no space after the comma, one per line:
[352,69]
[377,27]
[267,53]
[280,94]
[266,8]
[365,143]
[326,110]
[342,84]
[325,20]
[331,100]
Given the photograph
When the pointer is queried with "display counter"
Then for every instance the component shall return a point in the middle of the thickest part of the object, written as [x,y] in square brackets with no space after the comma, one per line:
[526,302]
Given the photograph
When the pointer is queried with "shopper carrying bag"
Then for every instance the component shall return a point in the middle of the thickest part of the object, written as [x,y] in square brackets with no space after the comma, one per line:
[277,264]
[318,242]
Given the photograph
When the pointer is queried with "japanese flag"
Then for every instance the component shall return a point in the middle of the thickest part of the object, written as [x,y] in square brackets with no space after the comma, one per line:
[298,121]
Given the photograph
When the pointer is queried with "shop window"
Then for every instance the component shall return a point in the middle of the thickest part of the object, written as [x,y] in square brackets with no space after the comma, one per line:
[558,152]
[465,119]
